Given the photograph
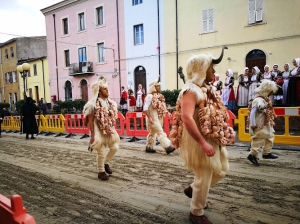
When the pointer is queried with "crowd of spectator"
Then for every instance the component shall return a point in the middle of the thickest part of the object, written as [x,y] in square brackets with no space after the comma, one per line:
[288,80]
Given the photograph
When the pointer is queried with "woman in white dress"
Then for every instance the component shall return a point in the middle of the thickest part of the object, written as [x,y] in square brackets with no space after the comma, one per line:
[254,82]
[285,77]
[243,88]
[140,96]
[217,84]
[269,76]
[228,96]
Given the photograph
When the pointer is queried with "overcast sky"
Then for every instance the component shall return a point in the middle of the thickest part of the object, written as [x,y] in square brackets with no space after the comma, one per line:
[23,17]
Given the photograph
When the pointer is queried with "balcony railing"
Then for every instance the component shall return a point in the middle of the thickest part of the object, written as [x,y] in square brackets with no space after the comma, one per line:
[85,67]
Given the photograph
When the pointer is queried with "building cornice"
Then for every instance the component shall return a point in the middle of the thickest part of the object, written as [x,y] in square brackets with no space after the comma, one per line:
[60,6]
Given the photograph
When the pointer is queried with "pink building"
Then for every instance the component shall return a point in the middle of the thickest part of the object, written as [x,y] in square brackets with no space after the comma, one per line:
[84,39]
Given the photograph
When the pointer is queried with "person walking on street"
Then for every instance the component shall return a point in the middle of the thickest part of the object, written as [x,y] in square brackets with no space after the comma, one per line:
[155,110]
[261,121]
[28,112]
[100,115]
[201,131]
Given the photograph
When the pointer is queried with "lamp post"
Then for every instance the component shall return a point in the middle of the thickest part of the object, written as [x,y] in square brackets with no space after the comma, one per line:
[23,69]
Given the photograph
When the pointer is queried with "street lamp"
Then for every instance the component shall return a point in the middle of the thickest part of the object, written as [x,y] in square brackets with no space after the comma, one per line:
[23,69]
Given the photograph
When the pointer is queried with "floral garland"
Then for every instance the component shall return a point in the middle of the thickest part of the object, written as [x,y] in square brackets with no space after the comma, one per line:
[213,118]
[158,103]
[269,113]
[106,118]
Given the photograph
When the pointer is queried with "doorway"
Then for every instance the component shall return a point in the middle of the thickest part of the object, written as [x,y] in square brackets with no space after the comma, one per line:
[140,77]
[256,58]
[84,90]
[37,94]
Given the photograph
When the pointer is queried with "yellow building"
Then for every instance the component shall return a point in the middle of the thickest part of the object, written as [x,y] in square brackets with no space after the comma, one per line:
[256,32]
[9,78]
[37,80]
[16,51]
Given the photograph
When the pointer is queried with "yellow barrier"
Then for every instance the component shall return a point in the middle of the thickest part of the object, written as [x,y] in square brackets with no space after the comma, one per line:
[55,123]
[41,123]
[7,123]
[287,125]
[16,123]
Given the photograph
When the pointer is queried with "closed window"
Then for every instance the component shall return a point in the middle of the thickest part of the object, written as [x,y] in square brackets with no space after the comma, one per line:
[15,97]
[34,70]
[67,58]
[14,76]
[28,73]
[136,2]
[65,26]
[81,21]
[12,52]
[138,34]
[82,54]
[101,52]
[255,11]
[6,54]
[208,20]
[99,16]
[30,92]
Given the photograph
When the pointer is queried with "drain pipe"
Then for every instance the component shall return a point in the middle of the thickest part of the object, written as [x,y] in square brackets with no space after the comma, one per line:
[158,33]
[117,7]
[56,57]
[43,78]
[176,43]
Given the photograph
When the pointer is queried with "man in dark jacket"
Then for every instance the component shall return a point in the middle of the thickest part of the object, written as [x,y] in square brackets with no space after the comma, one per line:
[28,111]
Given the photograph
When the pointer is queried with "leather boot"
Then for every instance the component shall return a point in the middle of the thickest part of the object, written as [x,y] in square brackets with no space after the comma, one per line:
[103,176]
[150,150]
[199,219]
[107,169]
[170,149]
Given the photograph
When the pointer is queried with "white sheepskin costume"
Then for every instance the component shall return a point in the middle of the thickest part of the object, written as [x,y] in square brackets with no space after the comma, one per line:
[155,129]
[263,117]
[207,170]
[101,141]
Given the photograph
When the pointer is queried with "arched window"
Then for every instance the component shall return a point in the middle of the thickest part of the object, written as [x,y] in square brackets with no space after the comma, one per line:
[68,91]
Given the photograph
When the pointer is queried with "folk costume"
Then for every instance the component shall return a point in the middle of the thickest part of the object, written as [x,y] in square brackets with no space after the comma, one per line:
[156,108]
[140,97]
[217,84]
[101,116]
[275,73]
[269,76]
[228,96]
[243,89]
[261,121]
[254,82]
[293,91]
[285,77]
[132,101]
[123,101]
[278,96]
[211,118]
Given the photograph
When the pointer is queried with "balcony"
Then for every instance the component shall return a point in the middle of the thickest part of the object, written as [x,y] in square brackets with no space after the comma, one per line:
[81,68]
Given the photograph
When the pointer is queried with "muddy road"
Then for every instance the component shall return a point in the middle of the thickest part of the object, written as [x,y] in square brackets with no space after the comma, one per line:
[57,178]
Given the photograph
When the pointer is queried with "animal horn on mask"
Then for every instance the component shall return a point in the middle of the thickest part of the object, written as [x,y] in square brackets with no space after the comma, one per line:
[158,79]
[217,61]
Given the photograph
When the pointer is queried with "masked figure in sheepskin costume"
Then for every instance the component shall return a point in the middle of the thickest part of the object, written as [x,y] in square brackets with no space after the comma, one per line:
[201,131]
[101,113]
[261,121]
[155,109]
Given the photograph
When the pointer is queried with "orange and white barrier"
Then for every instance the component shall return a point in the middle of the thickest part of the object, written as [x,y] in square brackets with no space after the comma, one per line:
[74,124]
[13,212]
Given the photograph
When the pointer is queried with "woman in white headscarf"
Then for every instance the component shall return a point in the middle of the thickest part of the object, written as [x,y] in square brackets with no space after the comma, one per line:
[285,77]
[228,96]
[217,84]
[254,82]
[243,88]
[293,91]
[295,72]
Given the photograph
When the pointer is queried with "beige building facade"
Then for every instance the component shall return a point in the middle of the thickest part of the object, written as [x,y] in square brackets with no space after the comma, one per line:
[256,32]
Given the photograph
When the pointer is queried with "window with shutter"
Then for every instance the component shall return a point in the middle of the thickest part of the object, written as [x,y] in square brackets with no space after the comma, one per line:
[255,11]
[208,17]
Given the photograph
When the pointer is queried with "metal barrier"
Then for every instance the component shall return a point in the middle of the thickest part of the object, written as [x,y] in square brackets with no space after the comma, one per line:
[7,124]
[55,123]
[74,124]
[13,212]
[283,125]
